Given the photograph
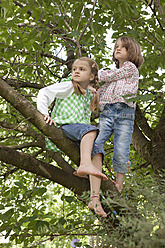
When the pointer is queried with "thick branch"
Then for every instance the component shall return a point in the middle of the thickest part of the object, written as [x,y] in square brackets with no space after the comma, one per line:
[141,144]
[161,127]
[40,143]
[21,84]
[36,118]
[142,123]
[31,164]
[68,180]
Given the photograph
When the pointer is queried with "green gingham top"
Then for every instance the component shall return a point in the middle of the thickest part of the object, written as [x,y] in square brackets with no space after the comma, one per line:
[69,107]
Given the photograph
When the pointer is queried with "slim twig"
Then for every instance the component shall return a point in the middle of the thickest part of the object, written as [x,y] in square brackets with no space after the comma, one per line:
[90,19]
[82,33]
[60,12]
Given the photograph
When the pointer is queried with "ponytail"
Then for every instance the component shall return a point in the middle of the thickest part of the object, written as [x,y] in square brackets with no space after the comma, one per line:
[94,103]
[78,89]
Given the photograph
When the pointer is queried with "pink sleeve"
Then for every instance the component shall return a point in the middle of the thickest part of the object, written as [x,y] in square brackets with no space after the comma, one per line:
[126,71]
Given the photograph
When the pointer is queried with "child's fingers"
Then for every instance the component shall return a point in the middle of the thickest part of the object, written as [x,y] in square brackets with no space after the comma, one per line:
[49,120]
[54,123]
[46,117]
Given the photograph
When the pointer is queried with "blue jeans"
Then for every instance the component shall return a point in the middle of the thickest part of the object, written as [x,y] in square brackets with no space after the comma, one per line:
[76,131]
[117,118]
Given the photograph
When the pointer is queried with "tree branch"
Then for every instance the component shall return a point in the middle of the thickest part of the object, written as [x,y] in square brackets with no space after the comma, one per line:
[89,21]
[141,144]
[161,126]
[77,185]
[142,122]
[154,12]
[60,12]
[160,10]
[22,84]
[24,145]
[22,128]
[31,164]
[40,143]
[83,31]
[36,118]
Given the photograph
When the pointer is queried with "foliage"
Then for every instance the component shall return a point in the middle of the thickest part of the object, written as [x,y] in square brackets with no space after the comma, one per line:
[39,211]
[145,229]
[39,41]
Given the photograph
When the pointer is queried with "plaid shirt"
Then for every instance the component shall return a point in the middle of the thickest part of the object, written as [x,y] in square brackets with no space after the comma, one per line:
[118,83]
[69,107]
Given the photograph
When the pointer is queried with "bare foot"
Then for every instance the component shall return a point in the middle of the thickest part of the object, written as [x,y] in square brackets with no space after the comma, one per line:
[84,170]
[118,186]
[95,205]
[75,174]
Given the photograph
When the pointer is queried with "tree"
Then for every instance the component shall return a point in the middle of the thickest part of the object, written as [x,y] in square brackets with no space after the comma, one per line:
[39,42]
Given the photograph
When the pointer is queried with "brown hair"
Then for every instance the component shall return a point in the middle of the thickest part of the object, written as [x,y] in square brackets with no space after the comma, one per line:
[79,90]
[134,51]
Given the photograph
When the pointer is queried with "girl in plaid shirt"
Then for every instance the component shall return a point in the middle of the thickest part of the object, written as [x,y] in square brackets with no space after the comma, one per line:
[72,111]
[118,114]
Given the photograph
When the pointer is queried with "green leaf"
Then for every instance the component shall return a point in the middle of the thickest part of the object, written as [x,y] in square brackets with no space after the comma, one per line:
[28,70]
[8,233]
[32,35]
[39,191]
[3,67]
[70,199]
[19,184]
[145,98]
[6,4]
[37,46]
[42,224]
[31,218]
[101,232]
[75,33]
[78,244]
[7,215]
[61,221]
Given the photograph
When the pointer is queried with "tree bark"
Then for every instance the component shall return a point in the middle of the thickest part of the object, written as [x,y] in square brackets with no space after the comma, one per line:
[36,118]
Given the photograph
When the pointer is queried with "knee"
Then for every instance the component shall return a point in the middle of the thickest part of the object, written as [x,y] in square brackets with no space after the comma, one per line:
[93,134]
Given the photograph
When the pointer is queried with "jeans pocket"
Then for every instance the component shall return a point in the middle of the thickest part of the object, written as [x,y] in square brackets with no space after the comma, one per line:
[128,116]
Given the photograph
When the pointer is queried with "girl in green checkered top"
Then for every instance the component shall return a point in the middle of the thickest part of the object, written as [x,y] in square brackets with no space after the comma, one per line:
[72,111]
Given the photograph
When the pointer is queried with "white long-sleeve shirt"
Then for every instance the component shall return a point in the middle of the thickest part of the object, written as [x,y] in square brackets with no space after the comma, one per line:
[47,95]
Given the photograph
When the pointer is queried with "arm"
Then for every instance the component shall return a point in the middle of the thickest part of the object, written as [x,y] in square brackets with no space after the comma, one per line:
[47,95]
[127,70]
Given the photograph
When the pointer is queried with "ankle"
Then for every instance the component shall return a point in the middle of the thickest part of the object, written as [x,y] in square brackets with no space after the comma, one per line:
[95,196]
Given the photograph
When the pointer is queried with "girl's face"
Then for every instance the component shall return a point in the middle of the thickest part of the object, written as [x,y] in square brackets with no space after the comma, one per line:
[81,72]
[120,53]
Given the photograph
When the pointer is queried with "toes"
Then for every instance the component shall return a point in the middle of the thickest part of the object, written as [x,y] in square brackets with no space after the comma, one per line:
[101,175]
[95,207]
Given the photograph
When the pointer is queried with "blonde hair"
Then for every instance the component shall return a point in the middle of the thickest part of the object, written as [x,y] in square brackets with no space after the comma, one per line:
[134,51]
[79,90]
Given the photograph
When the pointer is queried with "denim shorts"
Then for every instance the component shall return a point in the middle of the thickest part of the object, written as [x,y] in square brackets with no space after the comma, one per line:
[117,118]
[76,131]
